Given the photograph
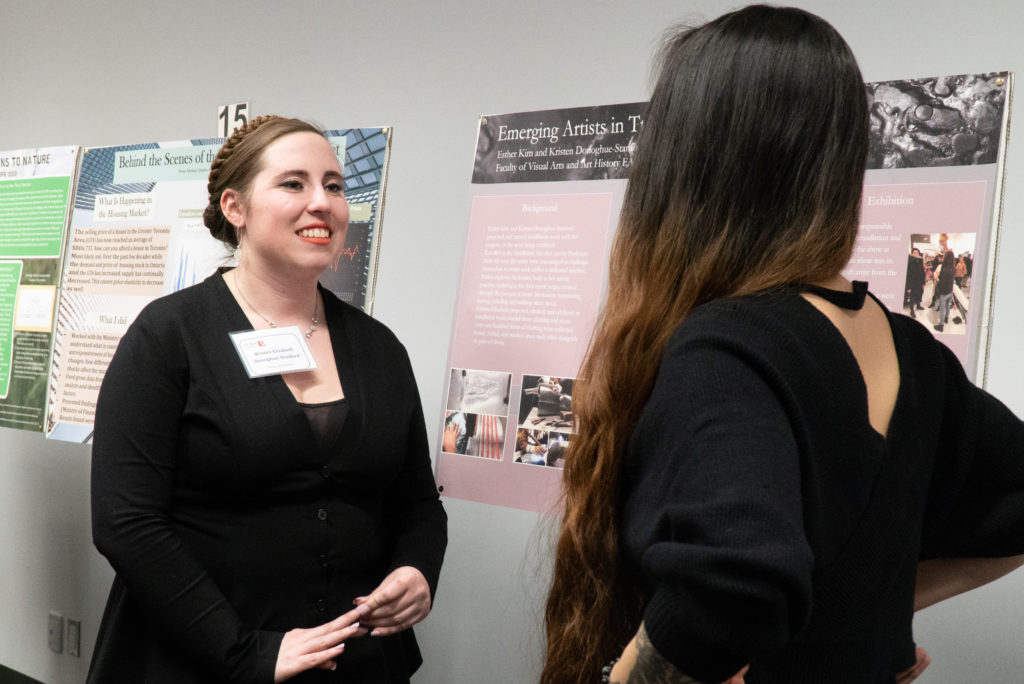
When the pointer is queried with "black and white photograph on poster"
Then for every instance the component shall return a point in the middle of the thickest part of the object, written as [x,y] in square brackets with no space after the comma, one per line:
[940,121]
[546,403]
[473,434]
[479,391]
[541,447]
[938,287]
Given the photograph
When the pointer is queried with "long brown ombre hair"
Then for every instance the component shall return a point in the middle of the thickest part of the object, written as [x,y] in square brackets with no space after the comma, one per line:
[746,177]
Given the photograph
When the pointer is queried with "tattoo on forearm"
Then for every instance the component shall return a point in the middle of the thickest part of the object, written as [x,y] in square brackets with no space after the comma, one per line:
[651,667]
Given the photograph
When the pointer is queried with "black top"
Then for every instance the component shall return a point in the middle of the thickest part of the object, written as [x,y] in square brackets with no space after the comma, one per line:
[228,522]
[326,418]
[854,301]
[767,521]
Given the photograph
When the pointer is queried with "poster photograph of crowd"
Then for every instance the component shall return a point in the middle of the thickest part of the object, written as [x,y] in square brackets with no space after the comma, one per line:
[938,288]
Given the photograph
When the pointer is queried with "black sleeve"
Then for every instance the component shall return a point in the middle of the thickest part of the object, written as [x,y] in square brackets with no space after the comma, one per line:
[138,413]
[976,498]
[414,507]
[731,565]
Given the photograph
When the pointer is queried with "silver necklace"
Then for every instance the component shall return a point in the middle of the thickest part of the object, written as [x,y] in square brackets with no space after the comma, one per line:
[314,320]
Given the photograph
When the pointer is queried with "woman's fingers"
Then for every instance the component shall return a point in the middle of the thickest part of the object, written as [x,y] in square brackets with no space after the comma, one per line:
[402,617]
[316,647]
[915,671]
[399,602]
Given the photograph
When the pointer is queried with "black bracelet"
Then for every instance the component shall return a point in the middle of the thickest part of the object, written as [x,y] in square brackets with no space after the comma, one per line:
[606,672]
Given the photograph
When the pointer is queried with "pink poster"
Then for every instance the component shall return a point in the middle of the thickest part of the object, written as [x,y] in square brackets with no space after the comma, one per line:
[906,231]
[547,188]
[931,204]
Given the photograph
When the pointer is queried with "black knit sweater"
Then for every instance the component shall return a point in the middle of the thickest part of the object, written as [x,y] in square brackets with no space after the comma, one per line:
[768,523]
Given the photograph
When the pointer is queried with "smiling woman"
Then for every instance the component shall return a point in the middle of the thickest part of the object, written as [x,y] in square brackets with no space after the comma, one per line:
[264,528]
[296,199]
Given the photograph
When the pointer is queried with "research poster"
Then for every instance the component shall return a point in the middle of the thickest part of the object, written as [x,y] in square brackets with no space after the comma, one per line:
[136,233]
[545,198]
[36,186]
[544,201]
[932,194]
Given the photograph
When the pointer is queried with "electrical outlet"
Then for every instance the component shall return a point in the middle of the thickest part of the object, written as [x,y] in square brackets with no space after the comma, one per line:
[74,637]
[55,633]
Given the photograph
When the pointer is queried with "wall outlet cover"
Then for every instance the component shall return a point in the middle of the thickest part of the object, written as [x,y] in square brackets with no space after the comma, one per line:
[55,633]
[74,637]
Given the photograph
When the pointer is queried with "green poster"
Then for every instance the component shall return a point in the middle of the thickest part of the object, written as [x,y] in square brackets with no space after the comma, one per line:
[32,214]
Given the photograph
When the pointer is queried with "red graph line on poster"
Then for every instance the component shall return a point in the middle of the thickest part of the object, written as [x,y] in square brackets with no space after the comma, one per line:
[350,252]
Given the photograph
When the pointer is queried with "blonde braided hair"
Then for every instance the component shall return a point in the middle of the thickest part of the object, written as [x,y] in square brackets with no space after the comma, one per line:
[238,161]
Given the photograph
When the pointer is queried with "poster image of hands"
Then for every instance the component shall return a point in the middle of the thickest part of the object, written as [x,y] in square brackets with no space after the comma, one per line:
[938,290]
[36,186]
[479,391]
[546,403]
[473,434]
[541,447]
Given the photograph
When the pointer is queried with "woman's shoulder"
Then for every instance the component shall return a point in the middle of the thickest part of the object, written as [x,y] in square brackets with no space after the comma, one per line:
[188,303]
[357,323]
[753,317]
[780,332]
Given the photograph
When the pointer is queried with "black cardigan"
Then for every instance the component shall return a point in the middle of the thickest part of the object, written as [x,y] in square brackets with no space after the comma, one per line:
[768,523]
[226,521]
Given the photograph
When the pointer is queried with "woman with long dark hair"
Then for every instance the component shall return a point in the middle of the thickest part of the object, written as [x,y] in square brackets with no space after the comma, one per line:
[758,471]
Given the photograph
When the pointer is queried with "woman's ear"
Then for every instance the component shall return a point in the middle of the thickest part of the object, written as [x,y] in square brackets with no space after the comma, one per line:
[231,207]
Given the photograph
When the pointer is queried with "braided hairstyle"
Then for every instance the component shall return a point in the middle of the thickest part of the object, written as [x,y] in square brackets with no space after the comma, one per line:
[238,161]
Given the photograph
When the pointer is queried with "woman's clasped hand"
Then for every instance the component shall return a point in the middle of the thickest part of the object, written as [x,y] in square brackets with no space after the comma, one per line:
[317,647]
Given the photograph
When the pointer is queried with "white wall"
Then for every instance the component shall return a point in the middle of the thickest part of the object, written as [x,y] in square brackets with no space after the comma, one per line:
[103,73]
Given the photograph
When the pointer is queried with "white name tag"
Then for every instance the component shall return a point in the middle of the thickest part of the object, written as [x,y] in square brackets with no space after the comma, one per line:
[273,352]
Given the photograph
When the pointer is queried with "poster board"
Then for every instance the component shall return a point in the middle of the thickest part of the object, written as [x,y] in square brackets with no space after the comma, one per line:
[136,233]
[934,184]
[544,201]
[36,187]
[547,188]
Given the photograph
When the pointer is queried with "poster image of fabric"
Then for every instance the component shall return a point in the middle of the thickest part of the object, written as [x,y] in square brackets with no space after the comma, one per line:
[136,233]
[932,195]
[546,192]
[36,186]
[476,413]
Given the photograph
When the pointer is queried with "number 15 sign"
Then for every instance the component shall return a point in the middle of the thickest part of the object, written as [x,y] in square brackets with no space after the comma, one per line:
[231,117]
